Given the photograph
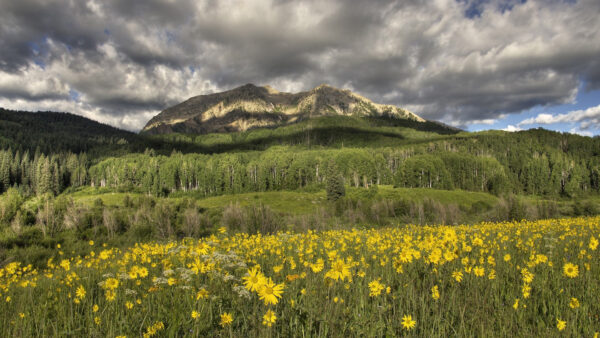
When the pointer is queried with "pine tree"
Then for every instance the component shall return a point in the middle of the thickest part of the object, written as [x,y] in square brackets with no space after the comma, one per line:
[5,159]
[43,176]
[334,184]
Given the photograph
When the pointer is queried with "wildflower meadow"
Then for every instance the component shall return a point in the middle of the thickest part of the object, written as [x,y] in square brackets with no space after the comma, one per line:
[528,278]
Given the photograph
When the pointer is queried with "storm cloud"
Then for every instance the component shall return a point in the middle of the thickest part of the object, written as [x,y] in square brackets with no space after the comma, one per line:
[462,62]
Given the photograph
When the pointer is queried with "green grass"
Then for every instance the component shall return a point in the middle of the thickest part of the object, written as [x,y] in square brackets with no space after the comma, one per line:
[281,201]
[299,202]
[459,197]
[88,195]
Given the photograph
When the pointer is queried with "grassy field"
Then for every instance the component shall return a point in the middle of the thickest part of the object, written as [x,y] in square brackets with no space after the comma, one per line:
[299,202]
[89,195]
[490,279]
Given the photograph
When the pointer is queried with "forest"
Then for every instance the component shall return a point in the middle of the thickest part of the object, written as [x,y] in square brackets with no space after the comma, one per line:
[535,162]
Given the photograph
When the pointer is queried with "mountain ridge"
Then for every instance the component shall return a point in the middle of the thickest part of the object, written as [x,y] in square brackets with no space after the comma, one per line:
[250,106]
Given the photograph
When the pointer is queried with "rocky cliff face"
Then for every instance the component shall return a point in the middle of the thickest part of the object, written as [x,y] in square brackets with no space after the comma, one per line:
[251,106]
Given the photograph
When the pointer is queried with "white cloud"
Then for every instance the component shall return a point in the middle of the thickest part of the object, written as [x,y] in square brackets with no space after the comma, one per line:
[512,128]
[127,61]
[581,132]
[586,119]
[484,121]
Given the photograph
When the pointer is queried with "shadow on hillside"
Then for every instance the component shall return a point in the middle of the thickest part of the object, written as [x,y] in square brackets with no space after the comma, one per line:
[342,136]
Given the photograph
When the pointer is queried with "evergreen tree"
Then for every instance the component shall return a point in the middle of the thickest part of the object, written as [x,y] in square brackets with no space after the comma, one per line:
[335,183]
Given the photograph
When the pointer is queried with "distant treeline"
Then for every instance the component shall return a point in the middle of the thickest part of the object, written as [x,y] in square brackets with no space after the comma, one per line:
[535,162]
[40,174]
[464,164]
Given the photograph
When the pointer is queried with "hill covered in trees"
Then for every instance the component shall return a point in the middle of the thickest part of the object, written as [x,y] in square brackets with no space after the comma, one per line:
[49,152]
[50,132]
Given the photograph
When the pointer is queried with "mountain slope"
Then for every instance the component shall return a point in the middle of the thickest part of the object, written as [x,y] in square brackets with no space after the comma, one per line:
[52,132]
[250,106]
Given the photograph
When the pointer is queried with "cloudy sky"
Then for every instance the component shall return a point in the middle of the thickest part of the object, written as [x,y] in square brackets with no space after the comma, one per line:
[501,64]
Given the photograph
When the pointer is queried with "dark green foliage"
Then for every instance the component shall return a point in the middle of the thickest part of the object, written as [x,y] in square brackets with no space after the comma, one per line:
[51,132]
[587,208]
[334,186]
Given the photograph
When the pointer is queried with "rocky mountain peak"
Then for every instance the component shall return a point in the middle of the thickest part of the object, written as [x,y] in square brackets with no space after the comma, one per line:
[250,106]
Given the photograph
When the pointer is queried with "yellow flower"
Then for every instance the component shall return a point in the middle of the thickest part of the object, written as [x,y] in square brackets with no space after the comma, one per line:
[153,329]
[111,283]
[269,318]
[91,243]
[593,243]
[560,324]
[408,323]
[507,257]
[226,319]
[129,305]
[65,264]
[339,270]
[270,291]
[110,295]
[80,292]
[526,291]
[435,293]
[571,270]
[318,266]
[255,280]
[22,315]
[202,293]
[516,304]
[479,271]
[195,315]
[375,288]
[574,303]
[95,308]
[97,320]
[457,275]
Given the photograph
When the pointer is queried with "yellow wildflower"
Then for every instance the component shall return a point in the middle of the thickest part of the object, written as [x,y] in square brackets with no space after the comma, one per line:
[226,319]
[269,318]
[408,323]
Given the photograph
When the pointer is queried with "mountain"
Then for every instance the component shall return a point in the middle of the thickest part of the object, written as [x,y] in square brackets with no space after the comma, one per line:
[251,106]
[52,132]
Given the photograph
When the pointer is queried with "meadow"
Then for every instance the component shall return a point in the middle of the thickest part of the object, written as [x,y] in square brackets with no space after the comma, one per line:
[525,278]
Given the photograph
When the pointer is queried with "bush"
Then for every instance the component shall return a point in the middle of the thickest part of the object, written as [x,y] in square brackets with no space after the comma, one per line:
[233,217]
[261,219]
[10,203]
